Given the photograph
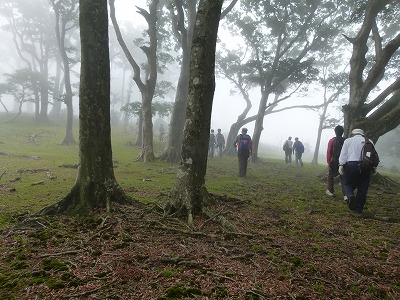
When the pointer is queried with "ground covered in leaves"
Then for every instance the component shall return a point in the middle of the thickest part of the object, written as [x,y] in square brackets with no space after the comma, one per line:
[137,253]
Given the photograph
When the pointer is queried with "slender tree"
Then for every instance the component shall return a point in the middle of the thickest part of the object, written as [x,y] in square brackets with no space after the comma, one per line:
[66,19]
[96,186]
[190,192]
[148,86]
[334,86]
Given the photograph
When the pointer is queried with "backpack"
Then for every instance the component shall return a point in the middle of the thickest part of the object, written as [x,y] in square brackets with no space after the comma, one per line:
[285,146]
[337,148]
[244,142]
[300,147]
[369,158]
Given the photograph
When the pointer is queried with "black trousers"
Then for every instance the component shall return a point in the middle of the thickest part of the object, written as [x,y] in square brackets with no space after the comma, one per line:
[356,179]
[243,156]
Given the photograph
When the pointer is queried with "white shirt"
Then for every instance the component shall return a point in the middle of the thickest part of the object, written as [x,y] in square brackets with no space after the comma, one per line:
[351,150]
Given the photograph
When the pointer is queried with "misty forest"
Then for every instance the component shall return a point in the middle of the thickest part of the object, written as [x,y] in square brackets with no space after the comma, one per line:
[109,188]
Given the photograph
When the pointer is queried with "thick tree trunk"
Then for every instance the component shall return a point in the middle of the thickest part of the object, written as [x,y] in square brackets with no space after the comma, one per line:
[96,186]
[190,191]
[382,113]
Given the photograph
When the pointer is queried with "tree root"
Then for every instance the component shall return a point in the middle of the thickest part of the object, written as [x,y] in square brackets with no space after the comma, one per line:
[73,204]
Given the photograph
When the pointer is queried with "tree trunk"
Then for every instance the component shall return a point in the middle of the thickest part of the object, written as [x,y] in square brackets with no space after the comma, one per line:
[44,89]
[318,142]
[96,186]
[147,153]
[367,70]
[172,152]
[139,136]
[60,33]
[146,89]
[55,112]
[190,191]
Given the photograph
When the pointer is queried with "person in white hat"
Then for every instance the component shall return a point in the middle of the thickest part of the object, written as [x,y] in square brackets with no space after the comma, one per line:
[354,176]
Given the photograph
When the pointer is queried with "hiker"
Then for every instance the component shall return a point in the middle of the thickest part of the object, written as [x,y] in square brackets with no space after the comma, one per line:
[288,148]
[211,144]
[298,150]
[162,133]
[354,176]
[335,145]
[244,147]
[220,142]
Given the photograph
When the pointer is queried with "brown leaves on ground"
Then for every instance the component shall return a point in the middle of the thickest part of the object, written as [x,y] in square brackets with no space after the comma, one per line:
[136,253]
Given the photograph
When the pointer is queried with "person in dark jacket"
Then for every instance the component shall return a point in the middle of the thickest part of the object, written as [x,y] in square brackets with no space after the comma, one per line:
[244,146]
[211,144]
[220,142]
[335,145]
[288,148]
[298,149]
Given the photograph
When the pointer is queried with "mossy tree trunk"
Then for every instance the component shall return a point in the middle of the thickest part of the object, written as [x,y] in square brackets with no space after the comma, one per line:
[96,186]
[375,113]
[190,192]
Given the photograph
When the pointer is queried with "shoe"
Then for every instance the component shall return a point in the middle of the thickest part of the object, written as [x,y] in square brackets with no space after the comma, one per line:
[329,193]
[352,199]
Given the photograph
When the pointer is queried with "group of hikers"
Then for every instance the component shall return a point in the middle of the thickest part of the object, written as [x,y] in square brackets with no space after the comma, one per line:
[345,158]
[296,148]
[243,145]
[354,160]
[216,142]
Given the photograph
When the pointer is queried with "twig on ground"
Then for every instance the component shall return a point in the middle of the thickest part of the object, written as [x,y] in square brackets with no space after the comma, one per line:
[220,275]
[59,253]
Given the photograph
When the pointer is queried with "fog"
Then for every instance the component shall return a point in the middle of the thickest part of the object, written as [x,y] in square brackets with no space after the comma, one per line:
[300,123]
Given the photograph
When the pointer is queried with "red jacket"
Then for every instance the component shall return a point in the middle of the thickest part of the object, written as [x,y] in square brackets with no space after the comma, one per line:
[329,151]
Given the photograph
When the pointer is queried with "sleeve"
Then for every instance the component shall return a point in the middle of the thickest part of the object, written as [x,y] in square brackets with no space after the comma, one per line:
[343,154]
[329,150]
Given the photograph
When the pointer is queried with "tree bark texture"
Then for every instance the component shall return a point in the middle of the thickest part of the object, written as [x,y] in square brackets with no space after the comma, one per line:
[96,185]
[190,192]
[382,113]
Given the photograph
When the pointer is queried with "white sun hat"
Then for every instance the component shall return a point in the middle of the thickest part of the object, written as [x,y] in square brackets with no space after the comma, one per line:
[357,131]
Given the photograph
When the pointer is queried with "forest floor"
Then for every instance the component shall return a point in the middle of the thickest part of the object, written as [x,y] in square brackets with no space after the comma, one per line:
[287,239]
[137,253]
